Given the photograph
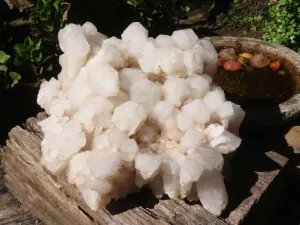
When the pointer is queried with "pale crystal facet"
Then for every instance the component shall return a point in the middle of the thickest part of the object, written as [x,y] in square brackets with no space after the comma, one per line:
[103,79]
[129,117]
[129,76]
[185,39]
[212,192]
[145,92]
[176,90]
[165,41]
[197,110]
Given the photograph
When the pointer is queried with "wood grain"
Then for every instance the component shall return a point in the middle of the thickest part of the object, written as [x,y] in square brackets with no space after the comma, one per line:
[52,199]
[11,210]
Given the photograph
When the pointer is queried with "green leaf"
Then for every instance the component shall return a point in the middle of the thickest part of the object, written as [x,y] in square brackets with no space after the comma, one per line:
[15,78]
[4,57]
[57,4]
[28,42]
[3,68]
[18,48]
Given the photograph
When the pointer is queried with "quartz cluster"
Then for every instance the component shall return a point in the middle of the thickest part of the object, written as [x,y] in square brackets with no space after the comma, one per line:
[138,112]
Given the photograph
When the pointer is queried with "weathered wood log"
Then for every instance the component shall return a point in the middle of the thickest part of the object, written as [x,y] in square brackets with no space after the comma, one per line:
[53,200]
[11,210]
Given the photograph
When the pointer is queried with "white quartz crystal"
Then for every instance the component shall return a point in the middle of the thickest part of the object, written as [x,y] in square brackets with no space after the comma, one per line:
[60,107]
[184,122]
[165,41]
[110,54]
[76,48]
[150,46]
[145,92]
[94,38]
[138,111]
[120,44]
[133,30]
[194,62]
[129,117]
[173,63]
[210,56]
[176,90]
[129,76]
[91,112]
[116,137]
[147,167]
[232,113]
[60,144]
[136,37]
[151,61]
[103,79]
[79,91]
[212,192]
[199,86]
[214,100]
[197,110]
[162,110]
[170,128]
[192,138]
[185,39]
[48,91]
[221,139]
[118,99]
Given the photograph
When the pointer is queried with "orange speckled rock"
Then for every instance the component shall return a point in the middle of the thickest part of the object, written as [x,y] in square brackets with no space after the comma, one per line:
[232,65]
[275,66]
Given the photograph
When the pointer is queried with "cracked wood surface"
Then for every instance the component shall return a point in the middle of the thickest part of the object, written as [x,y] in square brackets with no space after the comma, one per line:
[11,210]
[54,201]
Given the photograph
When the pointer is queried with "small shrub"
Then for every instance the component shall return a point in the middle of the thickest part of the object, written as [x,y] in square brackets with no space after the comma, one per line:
[7,78]
[284,24]
[33,60]
[48,18]
[161,13]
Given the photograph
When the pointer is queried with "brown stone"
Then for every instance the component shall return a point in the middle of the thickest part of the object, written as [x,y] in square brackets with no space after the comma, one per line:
[293,139]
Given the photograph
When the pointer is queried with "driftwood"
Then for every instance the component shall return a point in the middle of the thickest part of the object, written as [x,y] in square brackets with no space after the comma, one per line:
[54,201]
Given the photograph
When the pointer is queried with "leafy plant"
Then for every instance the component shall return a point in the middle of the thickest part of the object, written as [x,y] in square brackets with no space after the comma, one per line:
[29,54]
[159,12]
[7,78]
[284,24]
[48,18]
[36,56]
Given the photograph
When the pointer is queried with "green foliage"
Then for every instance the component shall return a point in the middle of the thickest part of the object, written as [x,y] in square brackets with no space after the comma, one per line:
[158,12]
[3,61]
[29,54]
[36,56]
[48,18]
[284,24]
[7,78]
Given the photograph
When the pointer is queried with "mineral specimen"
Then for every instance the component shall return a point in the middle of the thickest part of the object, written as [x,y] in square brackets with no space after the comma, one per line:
[137,111]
